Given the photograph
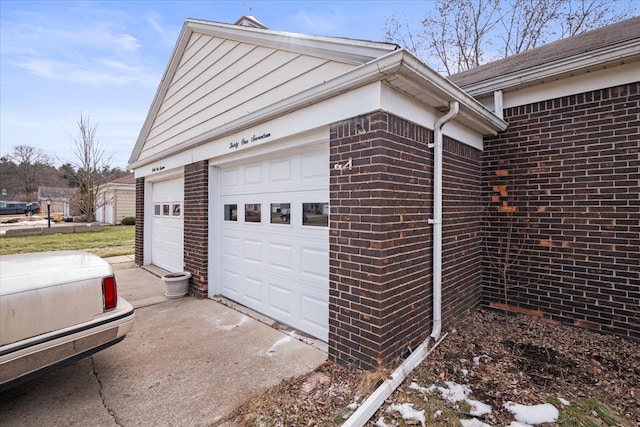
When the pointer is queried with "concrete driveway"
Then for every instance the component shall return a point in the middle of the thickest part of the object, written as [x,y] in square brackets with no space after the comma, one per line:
[187,362]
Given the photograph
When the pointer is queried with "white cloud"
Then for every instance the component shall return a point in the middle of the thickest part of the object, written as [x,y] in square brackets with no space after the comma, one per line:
[104,73]
[324,22]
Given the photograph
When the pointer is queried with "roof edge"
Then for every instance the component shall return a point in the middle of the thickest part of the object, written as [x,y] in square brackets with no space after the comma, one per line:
[581,63]
[348,50]
[400,62]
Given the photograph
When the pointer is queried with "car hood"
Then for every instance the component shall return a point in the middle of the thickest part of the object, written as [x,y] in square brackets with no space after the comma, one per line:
[22,272]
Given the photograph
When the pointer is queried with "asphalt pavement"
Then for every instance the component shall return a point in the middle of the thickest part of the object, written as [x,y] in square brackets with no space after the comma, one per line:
[187,362]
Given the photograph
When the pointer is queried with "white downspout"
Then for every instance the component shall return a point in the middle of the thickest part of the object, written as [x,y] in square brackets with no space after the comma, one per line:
[360,417]
[437,217]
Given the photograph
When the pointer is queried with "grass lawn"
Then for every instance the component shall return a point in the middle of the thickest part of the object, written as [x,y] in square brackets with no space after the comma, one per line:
[112,241]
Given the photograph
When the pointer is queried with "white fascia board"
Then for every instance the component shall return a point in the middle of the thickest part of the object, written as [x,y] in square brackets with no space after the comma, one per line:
[601,79]
[597,59]
[297,128]
[471,110]
[351,51]
[410,109]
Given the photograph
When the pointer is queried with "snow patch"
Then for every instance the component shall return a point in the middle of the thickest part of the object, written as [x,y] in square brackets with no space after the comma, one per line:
[381,423]
[452,393]
[565,402]
[478,408]
[535,414]
[242,321]
[476,360]
[473,422]
[408,413]
[278,343]
[414,386]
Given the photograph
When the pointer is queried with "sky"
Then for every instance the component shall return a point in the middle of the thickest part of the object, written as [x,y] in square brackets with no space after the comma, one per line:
[105,59]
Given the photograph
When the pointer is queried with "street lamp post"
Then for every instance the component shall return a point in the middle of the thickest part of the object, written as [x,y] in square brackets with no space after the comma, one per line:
[49,212]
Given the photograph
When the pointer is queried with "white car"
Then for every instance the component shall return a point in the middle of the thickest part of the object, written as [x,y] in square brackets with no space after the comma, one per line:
[56,308]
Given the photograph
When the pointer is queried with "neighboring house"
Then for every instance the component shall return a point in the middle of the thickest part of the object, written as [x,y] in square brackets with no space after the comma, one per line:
[60,199]
[346,189]
[115,200]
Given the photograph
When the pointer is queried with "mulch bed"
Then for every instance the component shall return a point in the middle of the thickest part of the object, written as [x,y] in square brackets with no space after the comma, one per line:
[517,359]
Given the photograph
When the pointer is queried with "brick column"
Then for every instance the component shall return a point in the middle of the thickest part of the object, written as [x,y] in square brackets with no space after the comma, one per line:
[139,231]
[380,239]
[196,226]
[381,243]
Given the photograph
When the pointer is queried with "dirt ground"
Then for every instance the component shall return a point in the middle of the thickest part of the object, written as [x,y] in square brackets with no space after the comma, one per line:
[592,379]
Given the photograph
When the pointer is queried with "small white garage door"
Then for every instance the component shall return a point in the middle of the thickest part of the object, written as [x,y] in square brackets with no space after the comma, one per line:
[167,225]
[274,240]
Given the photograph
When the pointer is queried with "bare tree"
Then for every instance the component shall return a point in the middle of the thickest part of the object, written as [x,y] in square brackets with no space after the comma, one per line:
[30,163]
[89,162]
[457,35]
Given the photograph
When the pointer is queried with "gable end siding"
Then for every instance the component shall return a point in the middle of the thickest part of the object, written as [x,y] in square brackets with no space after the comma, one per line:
[564,180]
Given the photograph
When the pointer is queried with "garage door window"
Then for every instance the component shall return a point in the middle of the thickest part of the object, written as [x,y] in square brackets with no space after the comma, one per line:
[280,213]
[156,210]
[252,212]
[176,209]
[231,212]
[315,214]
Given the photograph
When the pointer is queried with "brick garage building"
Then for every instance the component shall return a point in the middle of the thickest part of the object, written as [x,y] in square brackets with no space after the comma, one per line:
[301,176]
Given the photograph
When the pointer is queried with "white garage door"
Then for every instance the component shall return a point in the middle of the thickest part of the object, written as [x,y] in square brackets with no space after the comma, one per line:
[167,225]
[274,240]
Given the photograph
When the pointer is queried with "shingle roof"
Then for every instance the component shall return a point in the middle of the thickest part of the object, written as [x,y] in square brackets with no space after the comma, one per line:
[589,41]
[127,179]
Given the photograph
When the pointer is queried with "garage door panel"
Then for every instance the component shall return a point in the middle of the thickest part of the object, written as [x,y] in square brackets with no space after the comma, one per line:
[253,290]
[230,178]
[280,257]
[313,310]
[230,283]
[253,252]
[230,248]
[313,166]
[253,175]
[280,171]
[283,266]
[313,263]
[280,301]
[167,232]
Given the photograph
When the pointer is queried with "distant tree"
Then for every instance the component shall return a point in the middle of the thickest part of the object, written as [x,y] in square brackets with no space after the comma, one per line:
[30,163]
[111,174]
[69,175]
[88,165]
[458,35]
[9,184]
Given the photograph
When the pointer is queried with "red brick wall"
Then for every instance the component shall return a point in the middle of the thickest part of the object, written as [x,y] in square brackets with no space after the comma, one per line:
[381,242]
[139,232]
[564,179]
[196,226]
